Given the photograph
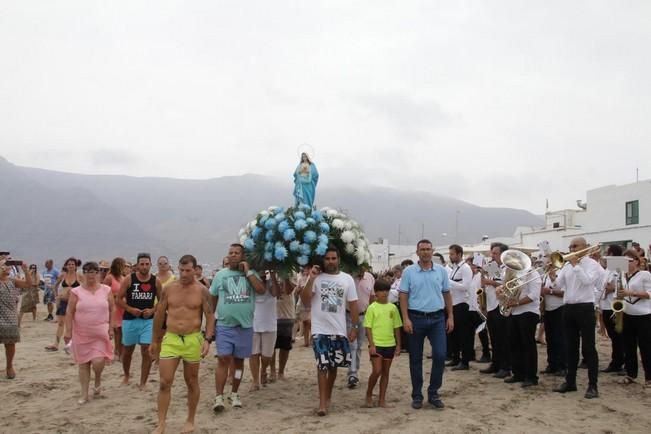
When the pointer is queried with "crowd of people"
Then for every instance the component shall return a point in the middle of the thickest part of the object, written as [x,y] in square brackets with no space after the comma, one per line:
[105,310]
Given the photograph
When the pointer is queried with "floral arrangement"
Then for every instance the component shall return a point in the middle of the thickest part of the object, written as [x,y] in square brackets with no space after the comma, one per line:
[288,239]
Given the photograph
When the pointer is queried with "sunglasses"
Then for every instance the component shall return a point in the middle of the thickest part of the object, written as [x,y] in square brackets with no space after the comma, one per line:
[91,271]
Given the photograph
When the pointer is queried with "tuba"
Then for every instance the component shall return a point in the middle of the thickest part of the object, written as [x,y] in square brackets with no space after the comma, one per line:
[518,267]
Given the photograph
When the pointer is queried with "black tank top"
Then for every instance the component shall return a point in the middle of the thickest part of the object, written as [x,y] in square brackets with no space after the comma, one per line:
[140,295]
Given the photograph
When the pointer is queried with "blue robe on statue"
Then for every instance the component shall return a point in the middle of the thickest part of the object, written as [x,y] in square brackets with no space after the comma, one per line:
[305,179]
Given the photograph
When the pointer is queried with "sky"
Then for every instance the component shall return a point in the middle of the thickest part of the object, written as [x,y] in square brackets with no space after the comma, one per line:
[499,103]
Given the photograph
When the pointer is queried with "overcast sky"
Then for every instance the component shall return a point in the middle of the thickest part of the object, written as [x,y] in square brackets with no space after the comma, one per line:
[500,103]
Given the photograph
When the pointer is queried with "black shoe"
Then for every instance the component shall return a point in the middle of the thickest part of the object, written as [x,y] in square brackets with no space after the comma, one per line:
[461,367]
[564,388]
[490,370]
[436,403]
[452,363]
[529,383]
[621,373]
[502,373]
[352,382]
[611,368]
[416,405]
[484,359]
[591,393]
[49,318]
[548,370]
[583,365]
[512,380]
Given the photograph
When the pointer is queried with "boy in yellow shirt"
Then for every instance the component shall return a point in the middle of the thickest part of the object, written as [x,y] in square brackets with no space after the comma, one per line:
[382,323]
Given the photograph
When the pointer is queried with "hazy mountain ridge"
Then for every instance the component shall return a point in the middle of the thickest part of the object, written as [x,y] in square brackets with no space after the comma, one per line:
[60,214]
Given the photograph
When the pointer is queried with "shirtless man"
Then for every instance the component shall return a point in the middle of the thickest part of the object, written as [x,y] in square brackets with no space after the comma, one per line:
[183,301]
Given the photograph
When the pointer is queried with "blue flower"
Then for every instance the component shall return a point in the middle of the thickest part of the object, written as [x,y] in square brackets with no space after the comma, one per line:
[289,234]
[249,244]
[294,246]
[321,249]
[268,246]
[299,225]
[317,216]
[304,206]
[263,220]
[325,227]
[302,260]
[280,253]
[309,237]
[323,239]
[310,221]
[305,249]
[280,216]
[269,235]
[270,223]
[268,256]
[257,231]
[299,215]
[283,226]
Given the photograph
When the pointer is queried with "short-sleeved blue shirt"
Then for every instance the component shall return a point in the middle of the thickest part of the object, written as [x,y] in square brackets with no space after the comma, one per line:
[425,288]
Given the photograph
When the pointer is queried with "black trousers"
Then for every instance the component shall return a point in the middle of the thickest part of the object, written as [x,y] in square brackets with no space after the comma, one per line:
[476,320]
[461,339]
[404,339]
[524,353]
[556,351]
[499,334]
[579,321]
[637,333]
[616,340]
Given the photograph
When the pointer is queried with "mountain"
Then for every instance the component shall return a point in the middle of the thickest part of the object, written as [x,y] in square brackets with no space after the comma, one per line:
[54,214]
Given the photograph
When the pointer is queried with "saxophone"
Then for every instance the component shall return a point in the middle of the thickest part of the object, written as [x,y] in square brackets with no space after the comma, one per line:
[618,304]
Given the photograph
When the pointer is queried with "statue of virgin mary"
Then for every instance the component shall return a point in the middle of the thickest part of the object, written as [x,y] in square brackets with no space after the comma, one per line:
[305,179]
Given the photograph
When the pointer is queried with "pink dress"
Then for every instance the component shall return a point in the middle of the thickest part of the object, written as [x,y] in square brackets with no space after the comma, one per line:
[119,310]
[90,326]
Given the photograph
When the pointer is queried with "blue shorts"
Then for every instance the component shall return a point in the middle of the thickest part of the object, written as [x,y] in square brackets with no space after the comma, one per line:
[48,296]
[234,341]
[137,331]
[331,352]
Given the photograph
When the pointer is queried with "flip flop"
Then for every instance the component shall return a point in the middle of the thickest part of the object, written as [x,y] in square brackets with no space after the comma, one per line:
[51,349]
[11,376]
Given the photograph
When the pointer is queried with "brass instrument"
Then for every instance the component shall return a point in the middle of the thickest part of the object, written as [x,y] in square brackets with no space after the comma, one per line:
[481,299]
[556,260]
[618,305]
[518,266]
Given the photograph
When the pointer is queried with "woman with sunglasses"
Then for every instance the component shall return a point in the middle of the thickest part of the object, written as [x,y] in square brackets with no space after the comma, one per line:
[88,324]
[68,279]
[29,301]
[114,280]
[9,296]
[637,319]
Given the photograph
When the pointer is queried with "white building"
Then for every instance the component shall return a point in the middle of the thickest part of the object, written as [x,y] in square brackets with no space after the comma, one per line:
[385,255]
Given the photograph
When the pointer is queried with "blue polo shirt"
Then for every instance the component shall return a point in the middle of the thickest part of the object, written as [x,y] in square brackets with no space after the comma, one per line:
[425,287]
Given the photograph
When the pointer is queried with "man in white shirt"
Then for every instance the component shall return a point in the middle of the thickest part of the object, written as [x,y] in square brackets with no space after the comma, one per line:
[525,314]
[329,294]
[498,331]
[606,298]
[580,279]
[462,337]
[553,321]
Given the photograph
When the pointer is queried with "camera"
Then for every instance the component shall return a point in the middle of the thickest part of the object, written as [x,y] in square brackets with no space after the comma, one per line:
[13,263]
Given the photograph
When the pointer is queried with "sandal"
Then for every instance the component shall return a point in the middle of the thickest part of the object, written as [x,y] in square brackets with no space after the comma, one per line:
[51,348]
[97,391]
[627,380]
[82,401]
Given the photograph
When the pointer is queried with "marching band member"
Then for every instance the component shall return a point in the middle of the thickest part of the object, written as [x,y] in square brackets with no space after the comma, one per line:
[553,322]
[477,316]
[462,337]
[579,277]
[500,366]
[606,298]
[525,315]
[637,319]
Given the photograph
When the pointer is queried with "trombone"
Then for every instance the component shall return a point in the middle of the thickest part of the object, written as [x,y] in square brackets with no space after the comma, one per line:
[556,260]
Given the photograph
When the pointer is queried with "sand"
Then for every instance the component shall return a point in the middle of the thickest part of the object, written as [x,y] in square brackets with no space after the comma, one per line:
[43,399]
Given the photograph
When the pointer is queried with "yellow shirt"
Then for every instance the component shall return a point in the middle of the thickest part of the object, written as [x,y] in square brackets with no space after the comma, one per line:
[382,319]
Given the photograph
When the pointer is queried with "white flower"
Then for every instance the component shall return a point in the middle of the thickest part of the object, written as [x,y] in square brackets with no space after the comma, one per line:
[347,237]
[243,238]
[241,233]
[361,257]
[348,225]
[332,213]
[264,213]
[338,224]
[350,249]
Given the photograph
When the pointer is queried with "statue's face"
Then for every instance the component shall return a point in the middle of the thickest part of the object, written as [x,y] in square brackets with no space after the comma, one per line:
[303,157]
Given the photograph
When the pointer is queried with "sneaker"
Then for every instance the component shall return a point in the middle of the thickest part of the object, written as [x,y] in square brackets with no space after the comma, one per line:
[218,404]
[235,400]
[352,382]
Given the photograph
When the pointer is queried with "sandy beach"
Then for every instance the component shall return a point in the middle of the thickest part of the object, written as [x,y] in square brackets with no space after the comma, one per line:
[43,399]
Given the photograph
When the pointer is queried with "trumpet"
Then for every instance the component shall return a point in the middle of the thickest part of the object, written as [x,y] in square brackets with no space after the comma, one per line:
[556,260]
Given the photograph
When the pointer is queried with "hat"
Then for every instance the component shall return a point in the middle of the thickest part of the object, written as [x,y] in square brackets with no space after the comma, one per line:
[104,264]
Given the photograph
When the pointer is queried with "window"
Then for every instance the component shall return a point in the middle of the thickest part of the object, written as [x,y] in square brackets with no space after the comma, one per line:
[633,212]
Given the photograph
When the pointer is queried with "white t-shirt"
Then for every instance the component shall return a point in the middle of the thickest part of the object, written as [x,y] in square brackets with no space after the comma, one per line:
[394,294]
[532,291]
[491,297]
[460,276]
[265,318]
[580,282]
[472,298]
[552,302]
[641,281]
[330,296]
